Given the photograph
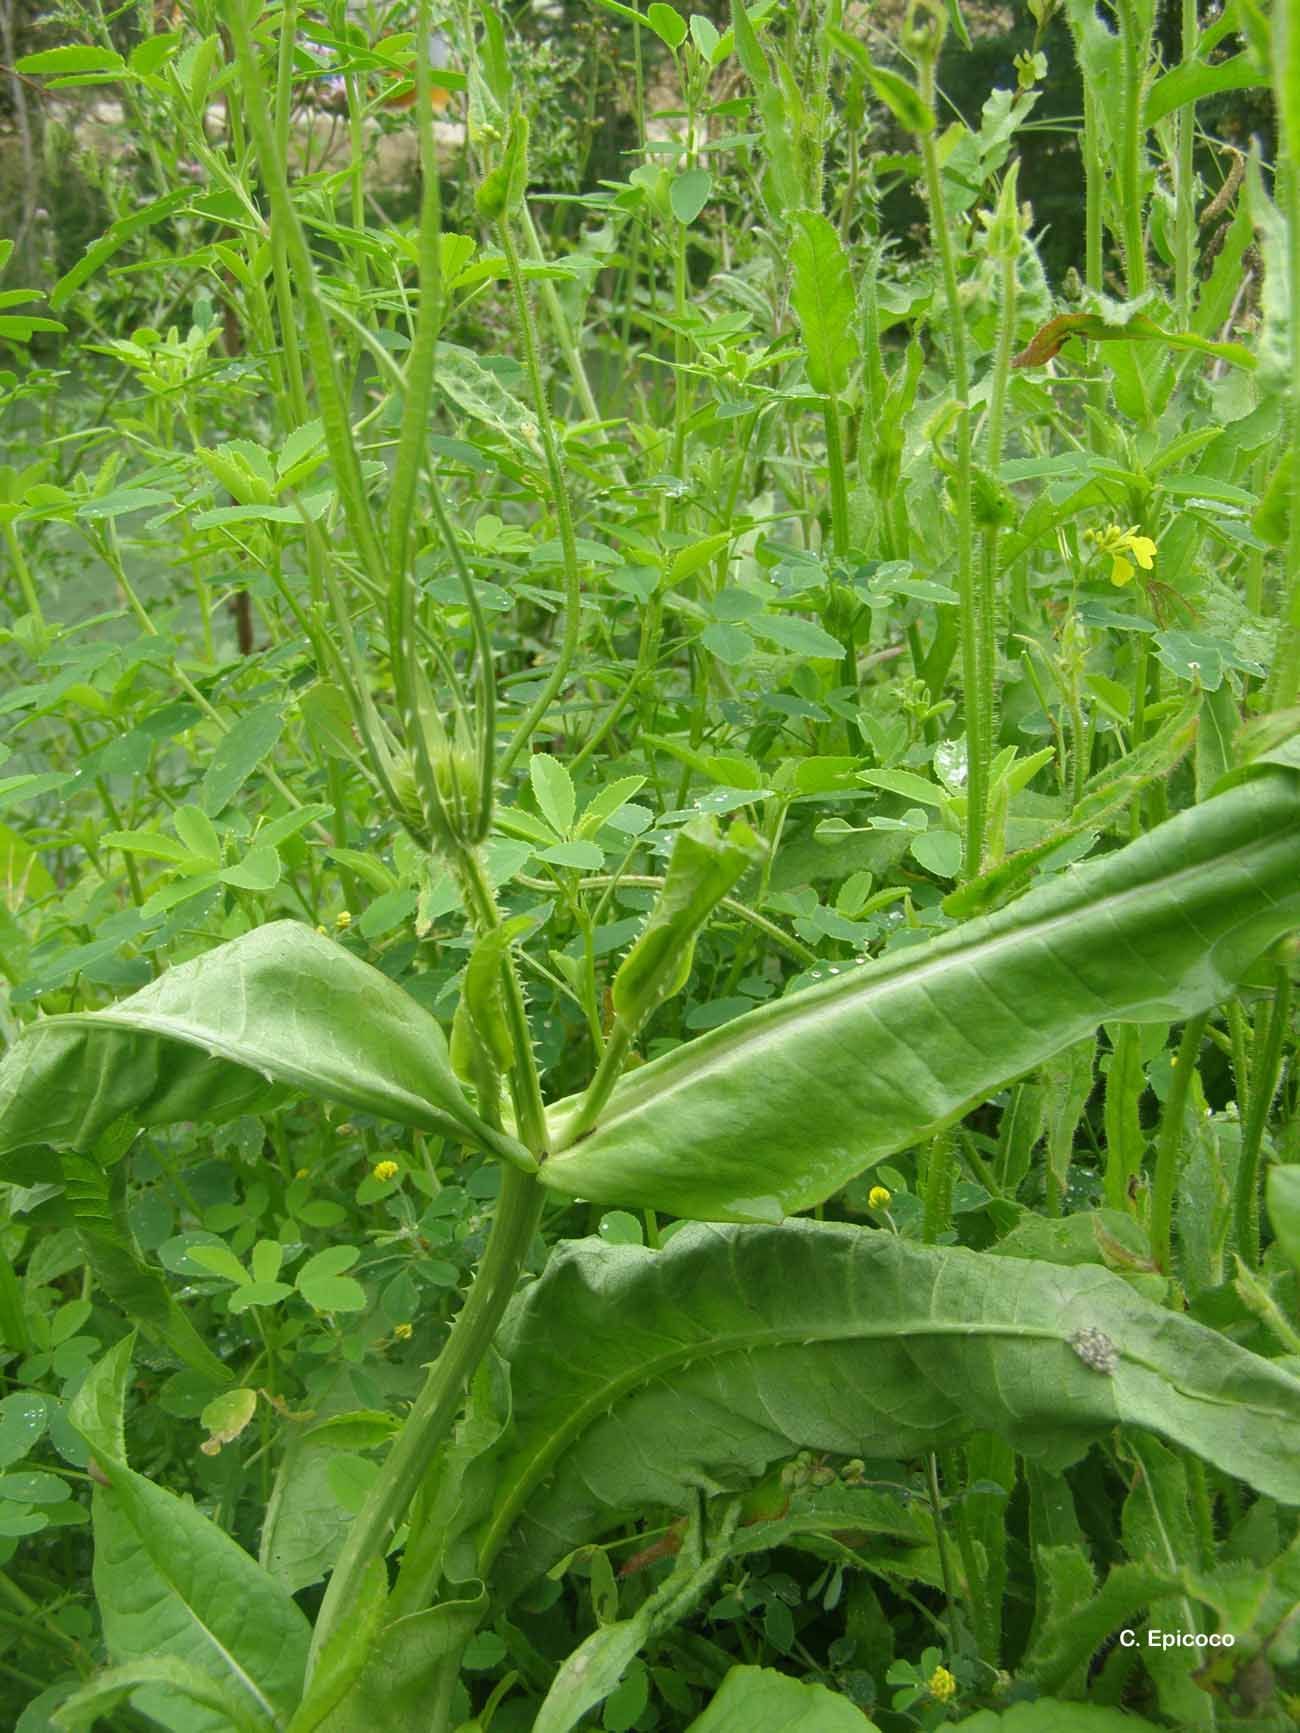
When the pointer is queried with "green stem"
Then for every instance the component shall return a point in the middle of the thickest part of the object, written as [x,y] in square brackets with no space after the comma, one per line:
[1094,194]
[22,571]
[944,1549]
[1184,209]
[430,1420]
[1265,1074]
[419,375]
[560,323]
[296,400]
[974,628]
[559,501]
[1124,1141]
[838,480]
[1133,48]
[335,417]
[602,1084]
[1169,1145]
[1284,687]
[647,657]
[939,1174]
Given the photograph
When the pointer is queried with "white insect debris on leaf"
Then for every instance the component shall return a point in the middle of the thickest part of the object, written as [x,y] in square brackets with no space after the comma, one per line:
[1095,1348]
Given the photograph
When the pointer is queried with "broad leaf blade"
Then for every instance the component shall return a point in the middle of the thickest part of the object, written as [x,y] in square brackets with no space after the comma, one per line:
[761,1700]
[781,1107]
[281,1009]
[639,1377]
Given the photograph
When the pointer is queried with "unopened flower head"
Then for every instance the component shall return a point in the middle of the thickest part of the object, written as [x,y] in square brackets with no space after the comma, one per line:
[941,1685]
[878,1197]
[1119,544]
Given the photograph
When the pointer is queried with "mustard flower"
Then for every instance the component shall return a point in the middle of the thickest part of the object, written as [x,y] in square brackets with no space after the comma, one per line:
[1118,544]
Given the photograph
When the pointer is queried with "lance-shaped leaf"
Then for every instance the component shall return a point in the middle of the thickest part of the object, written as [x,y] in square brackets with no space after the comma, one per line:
[174,1587]
[781,1107]
[824,301]
[281,1010]
[639,1377]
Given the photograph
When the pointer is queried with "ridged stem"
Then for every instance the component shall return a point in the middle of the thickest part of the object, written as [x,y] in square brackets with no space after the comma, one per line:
[975,675]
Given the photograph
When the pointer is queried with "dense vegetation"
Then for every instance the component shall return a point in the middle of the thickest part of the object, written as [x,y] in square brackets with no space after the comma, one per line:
[652,807]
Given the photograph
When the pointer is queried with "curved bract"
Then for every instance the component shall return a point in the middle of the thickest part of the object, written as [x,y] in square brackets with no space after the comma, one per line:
[281,1010]
[777,1110]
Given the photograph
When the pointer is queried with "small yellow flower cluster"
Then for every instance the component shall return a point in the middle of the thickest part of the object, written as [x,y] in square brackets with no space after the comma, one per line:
[384,1170]
[879,1197]
[402,1332]
[343,920]
[941,1685]
[1118,543]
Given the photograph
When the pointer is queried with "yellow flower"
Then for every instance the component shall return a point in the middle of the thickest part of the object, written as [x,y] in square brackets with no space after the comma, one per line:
[384,1170]
[1117,543]
[343,920]
[941,1685]
[303,1173]
[878,1197]
[401,1332]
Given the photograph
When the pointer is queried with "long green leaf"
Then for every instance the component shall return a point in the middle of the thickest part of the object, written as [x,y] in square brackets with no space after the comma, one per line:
[115,238]
[780,1108]
[280,1009]
[824,302]
[638,1377]
[1193,81]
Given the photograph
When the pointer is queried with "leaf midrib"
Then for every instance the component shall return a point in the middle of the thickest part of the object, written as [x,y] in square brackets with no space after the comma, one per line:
[614,1390]
[752,1042]
[237,1672]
